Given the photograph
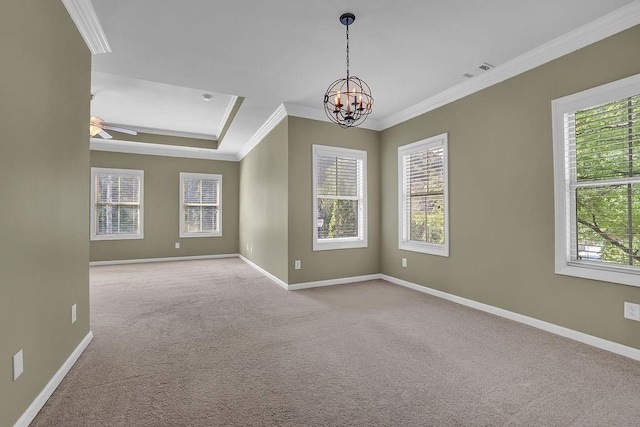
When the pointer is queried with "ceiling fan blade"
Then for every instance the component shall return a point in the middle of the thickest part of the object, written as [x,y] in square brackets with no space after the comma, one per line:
[118,129]
[94,130]
[104,134]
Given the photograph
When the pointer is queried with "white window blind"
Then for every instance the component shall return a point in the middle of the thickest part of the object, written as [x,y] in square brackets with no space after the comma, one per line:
[603,153]
[200,205]
[116,204]
[423,198]
[597,182]
[339,202]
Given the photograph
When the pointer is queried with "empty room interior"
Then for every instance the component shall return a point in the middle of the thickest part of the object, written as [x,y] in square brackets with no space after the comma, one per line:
[297,213]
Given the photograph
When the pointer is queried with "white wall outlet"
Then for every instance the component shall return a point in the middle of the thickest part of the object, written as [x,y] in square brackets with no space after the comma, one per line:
[632,311]
[250,249]
[18,365]
[177,245]
[404,262]
[74,313]
[297,264]
[247,247]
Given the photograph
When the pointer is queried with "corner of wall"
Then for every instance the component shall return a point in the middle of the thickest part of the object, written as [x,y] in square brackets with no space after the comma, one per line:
[264,203]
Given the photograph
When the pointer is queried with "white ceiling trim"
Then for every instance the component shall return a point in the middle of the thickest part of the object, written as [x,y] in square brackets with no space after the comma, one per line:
[85,18]
[294,110]
[129,147]
[227,113]
[276,117]
[606,26]
[318,114]
[167,132]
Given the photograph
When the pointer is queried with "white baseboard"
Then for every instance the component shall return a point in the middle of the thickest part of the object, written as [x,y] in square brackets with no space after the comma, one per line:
[265,273]
[53,383]
[623,350]
[174,258]
[307,285]
[331,282]
[614,347]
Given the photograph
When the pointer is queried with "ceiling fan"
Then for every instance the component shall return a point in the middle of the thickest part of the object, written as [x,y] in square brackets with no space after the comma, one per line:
[97,127]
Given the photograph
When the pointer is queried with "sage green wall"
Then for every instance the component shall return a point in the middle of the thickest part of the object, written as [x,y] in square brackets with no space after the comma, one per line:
[264,203]
[44,216]
[331,264]
[162,208]
[501,197]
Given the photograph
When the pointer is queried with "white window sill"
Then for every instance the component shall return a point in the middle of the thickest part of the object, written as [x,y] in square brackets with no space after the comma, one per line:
[425,248]
[604,273]
[190,235]
[329,244]
[117,237]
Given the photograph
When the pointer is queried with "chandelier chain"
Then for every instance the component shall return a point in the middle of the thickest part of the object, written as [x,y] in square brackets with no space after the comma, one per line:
[347,52]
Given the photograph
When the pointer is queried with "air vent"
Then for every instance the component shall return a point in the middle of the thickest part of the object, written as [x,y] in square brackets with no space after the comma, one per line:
[482,68]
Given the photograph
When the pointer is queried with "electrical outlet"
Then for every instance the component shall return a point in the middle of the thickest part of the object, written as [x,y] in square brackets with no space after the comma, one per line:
[297,264]
[18,365]
[177,245]
[250,249]
[247,247]
[404,262]
[632,311]
[73,314]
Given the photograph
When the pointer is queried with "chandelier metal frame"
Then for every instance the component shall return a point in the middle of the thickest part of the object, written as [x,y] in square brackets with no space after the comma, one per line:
[348,101]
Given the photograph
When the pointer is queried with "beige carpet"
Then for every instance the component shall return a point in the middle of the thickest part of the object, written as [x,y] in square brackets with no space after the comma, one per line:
[214,343]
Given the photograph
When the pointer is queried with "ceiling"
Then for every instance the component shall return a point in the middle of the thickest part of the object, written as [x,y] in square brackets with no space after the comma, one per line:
[288,51]
[158,107]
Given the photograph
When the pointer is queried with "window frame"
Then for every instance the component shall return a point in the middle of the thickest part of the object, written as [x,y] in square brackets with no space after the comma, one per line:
[340,242]
[218,179]
[113,171]
[404,243]
[564,220]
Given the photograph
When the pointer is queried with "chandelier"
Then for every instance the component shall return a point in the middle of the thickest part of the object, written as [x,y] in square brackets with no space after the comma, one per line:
[348,102]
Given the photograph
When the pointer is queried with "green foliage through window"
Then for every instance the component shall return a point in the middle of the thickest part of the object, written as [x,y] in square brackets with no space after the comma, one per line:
[200,204]
[604,154]
[339,195]
[117,204]
[425,195]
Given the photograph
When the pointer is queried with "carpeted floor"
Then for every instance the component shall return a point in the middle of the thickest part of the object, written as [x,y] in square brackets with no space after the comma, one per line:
[214,343]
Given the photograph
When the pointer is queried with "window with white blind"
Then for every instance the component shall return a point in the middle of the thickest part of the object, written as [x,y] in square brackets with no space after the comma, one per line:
[423,202]
[340,198]
[597,182]
[116,204]
[200,205]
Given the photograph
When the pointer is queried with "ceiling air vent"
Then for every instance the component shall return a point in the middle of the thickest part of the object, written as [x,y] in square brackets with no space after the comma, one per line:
[482,68]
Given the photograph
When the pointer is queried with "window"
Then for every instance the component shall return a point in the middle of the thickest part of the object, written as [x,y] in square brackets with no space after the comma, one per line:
[597,182]
[339,203]
[200,212]
[423,202]
[116,208]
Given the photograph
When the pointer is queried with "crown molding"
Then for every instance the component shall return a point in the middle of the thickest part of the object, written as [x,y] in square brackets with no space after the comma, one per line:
[294,110]
[167,132]
[276,117]
[85,18]
[129,147]
[603,27]
[227,112]
[318,114]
